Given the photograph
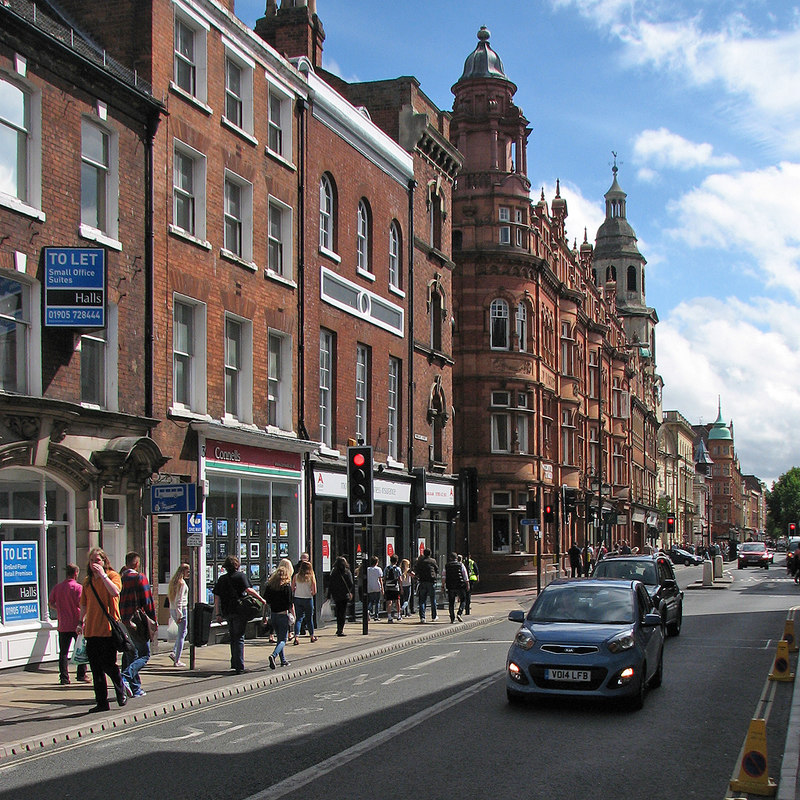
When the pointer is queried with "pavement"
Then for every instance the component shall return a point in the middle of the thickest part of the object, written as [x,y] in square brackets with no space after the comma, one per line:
[36,712]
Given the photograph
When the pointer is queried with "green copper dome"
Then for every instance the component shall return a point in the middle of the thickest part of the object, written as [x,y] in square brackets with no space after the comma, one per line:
[719,430]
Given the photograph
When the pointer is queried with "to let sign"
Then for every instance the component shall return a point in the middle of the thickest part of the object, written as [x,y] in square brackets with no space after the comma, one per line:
[75,287]
[20,562]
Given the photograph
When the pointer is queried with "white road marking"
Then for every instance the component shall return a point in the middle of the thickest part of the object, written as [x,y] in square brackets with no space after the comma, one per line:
[306,776]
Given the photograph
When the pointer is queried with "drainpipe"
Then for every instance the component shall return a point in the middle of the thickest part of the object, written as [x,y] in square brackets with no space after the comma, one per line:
[410,403]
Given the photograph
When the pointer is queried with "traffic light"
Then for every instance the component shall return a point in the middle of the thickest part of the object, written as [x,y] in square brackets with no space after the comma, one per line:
[532,509]
[359,481]
[670,524]
[550,511]
[792,529]
[570,500]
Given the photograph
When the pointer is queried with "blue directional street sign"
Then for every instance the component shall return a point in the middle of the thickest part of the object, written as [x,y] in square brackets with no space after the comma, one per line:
[194,523]
[528,522]
[173,498]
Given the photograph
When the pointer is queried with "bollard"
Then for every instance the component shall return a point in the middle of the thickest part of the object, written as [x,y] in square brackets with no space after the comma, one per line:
[717,567]
[707,573]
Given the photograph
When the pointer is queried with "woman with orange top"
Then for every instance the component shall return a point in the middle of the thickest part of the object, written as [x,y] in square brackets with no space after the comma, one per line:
[101,591]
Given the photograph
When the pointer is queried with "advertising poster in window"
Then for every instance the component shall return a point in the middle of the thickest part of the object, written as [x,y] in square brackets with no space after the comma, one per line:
[420,546]
[389,548]
[222,527]
[284,529]
[20,563]
[326,552]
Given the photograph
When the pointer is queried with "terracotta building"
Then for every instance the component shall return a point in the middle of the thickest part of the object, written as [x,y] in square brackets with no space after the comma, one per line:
[677,479]
[557,399]
[77,272]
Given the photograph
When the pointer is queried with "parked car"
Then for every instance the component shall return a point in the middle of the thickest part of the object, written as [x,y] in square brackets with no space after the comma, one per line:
[592,638]
[658,577]
[753,554]
[681,556]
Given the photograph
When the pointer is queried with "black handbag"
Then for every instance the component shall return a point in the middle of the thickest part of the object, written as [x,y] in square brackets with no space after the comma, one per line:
[248,607]
[119,633]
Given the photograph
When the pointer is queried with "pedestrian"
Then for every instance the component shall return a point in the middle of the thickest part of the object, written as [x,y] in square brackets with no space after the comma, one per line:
[374,588]
[455,580]
[304,589]
[426,569]
[65,598]
[623,548]
[391,588]
[100,596]
[178,596]
[229,589]
[138,612]
[588,560]
[279,597]
[474,578]
[304,627]
[406,581]
[796,563]
[574,553]
[340,590]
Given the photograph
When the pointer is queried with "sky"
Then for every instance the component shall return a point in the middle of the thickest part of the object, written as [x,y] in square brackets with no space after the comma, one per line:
[701,103]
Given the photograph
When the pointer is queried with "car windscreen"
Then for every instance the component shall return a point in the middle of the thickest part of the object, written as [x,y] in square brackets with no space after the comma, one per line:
[752,547]
[579,602]
[644,571]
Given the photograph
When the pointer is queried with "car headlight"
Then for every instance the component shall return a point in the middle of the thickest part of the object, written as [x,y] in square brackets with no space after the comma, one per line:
[524,639]
[621,642]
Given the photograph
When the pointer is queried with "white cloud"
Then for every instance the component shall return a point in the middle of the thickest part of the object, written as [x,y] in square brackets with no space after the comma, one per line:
[751,214]
[748,354]
[663,148]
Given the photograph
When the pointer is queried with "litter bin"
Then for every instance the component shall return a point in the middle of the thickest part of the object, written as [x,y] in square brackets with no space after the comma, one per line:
[201,623]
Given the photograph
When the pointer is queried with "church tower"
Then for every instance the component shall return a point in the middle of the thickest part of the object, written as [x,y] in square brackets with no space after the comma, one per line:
[619,267]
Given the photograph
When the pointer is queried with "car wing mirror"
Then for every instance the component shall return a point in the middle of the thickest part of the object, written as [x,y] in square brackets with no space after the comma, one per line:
[652,620]
[517,616]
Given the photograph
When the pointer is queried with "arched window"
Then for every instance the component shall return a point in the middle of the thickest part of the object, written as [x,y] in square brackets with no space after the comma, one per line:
[327,210]
[362,237]
[499,325]
[631,278]
[436,306]
[522,327]
[611,273]
[395,255]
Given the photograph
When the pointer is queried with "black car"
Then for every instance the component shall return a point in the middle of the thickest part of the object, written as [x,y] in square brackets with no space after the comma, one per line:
[658,576]
[681,556]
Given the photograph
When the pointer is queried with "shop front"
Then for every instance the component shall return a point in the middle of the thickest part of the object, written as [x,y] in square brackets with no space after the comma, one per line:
[435,523]
[252,507]
[387,532]
[66,477]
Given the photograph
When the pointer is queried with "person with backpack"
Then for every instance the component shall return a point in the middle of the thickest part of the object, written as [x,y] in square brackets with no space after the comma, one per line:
[391,589]
[456,581]
[426,569]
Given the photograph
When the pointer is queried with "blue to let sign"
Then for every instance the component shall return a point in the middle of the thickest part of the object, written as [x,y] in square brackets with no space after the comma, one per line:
[173,498]
[75,287]
[20,581]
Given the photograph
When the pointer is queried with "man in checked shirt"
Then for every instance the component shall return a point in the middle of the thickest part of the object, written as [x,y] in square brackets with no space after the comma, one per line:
[135,608]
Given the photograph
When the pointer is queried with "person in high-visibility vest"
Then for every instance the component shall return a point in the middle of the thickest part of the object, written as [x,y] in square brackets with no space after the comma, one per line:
[474,578]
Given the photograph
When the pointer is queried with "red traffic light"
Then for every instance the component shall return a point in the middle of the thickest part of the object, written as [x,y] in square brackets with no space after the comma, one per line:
[358,459]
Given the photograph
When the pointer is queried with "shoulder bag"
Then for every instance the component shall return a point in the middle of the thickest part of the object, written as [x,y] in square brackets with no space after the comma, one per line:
[119,634]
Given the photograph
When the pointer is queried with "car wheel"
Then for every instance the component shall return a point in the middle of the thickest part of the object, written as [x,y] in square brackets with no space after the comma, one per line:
[674,628]
[515,698]
[687,562]
[637,701]
[658,678]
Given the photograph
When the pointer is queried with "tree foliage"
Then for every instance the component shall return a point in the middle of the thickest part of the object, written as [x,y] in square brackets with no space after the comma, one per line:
[783,502]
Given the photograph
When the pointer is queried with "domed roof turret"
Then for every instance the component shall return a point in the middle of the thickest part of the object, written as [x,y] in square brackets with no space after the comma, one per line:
[483,62]
[615,236]
[719,430]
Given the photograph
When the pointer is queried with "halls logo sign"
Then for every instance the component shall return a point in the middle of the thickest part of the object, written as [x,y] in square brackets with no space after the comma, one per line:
[74,287]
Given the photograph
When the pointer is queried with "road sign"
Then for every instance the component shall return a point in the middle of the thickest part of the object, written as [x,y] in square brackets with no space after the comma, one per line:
[194,524]
[173,498]
[194,540]
[528,522]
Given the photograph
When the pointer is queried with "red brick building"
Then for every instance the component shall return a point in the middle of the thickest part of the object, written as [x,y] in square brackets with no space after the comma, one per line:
[556,405]
[76,277]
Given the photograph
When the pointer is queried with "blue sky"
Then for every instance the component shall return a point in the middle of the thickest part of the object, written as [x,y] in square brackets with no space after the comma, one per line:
[701,103]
